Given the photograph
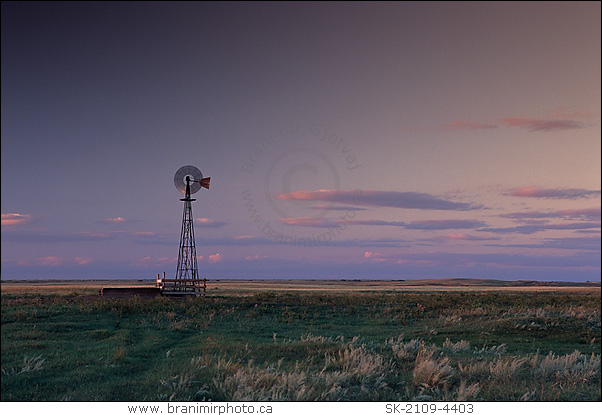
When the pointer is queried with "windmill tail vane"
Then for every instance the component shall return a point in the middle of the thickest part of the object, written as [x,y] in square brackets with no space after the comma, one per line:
[205,182]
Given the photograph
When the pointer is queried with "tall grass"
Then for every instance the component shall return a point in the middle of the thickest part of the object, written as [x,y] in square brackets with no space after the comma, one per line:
[299,346]
[355,372]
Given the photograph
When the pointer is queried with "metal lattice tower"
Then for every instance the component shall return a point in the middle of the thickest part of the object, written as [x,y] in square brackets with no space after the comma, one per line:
[188,180]
[187,262]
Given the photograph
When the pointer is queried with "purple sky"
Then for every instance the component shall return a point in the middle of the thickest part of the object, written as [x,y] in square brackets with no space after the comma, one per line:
[355,140]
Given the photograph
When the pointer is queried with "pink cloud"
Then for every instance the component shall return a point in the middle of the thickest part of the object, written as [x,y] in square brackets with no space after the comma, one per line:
[255,257]
[374,256]
[118,219]
[463,237]
[15,219]
[144,261]
[50,261]
[455,236]
[215,258]
[82,260]
[535,192]
[209,223]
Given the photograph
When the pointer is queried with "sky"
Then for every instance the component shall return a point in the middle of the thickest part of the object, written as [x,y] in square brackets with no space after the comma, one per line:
[343,140]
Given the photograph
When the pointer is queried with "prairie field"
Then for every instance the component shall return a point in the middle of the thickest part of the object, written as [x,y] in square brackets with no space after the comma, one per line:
[450,340]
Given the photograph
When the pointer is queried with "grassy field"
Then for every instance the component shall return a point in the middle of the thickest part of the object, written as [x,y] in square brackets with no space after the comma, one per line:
[303,340]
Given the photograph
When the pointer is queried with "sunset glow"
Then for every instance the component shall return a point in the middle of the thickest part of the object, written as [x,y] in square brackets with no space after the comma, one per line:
[371,141]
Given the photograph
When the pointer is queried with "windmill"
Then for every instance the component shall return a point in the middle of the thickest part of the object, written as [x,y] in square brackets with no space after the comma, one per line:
[188,180]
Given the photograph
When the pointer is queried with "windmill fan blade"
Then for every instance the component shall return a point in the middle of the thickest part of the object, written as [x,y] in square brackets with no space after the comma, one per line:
[205,182]
[193,173]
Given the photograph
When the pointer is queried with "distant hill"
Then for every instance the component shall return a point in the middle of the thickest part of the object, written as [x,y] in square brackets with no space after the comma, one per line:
[468,282]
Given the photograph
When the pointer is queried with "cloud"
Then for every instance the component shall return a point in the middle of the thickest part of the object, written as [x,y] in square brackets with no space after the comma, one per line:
[529,229]
[375,256]
[330,223]
[463,237]
[50,261]
[82,260]
[585,214]
[578,243]
[311,222]
[558,120]
[255,257]
[421,225]
[209,223]
[52,238]
[239,240]
[118,219]
[329,207]
[372,243]
[149,261]
[467,125]
[144,261]
[446,224]
[533,124]
[143,234]
[214,258]
[535,192]
[374,222]
[15,219]
[402,200]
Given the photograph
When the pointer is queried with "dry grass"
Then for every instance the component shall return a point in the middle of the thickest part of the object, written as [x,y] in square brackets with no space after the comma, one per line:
[30,364]
[351,372]
[432,373]
[408,350]
[572,367]
[301,346]
[356,372]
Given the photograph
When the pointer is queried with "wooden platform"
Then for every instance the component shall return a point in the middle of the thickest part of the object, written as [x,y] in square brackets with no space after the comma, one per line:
[181,287]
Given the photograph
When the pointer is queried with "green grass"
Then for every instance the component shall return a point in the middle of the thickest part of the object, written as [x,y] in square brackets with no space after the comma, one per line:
[303,346]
